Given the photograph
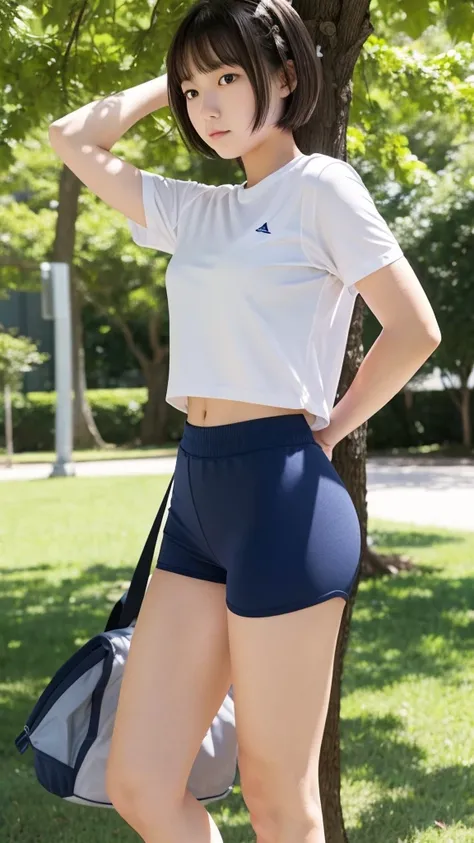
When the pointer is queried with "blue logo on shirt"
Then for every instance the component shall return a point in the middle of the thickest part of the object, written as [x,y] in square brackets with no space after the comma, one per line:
[264,228]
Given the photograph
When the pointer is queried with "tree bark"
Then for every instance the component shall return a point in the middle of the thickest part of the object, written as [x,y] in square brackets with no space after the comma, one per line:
[7,406]
[85,432]
[155,417]
[461,398]
[466,417]
[155,372]
[341,28]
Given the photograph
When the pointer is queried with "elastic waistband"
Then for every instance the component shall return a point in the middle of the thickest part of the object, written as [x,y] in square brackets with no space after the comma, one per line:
[226,439]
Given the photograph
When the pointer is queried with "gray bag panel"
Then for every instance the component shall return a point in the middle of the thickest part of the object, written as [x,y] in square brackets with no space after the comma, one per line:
[215,767]
[214,770]
[63,729]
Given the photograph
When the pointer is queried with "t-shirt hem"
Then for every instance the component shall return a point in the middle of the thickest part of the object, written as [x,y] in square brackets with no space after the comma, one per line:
[178,400]
[161,238]
[371,266]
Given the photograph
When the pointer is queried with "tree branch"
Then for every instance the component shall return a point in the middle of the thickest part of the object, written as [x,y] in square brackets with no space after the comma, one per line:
[74,36]
[141,357]
[153,332]
[450,388]
[18,263]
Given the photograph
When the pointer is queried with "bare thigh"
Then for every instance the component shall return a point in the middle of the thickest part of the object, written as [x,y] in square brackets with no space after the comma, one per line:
[282,670]
[176,677]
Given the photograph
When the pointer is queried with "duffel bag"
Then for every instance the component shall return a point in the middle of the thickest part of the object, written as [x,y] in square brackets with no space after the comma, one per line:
[70,727]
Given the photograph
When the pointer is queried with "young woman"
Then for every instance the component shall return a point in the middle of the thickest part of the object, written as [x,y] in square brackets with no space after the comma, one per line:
[261,546]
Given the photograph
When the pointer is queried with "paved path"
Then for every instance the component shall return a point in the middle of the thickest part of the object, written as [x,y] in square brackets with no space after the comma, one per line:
[97,468]
[431,493]
[437,495]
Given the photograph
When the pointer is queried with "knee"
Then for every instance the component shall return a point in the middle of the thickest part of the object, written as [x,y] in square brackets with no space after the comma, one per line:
[299,821]
[284,816]
[281,807]
[143,798]
[278,823]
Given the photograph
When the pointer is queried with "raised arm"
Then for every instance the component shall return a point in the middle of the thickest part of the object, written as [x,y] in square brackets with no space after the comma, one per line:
[83,138]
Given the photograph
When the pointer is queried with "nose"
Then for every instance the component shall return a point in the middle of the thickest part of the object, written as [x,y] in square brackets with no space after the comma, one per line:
[210,106]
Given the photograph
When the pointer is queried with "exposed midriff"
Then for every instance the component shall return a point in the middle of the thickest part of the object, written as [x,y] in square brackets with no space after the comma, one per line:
[208,412]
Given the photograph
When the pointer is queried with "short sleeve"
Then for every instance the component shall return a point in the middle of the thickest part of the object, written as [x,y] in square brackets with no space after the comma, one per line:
[343,230]
[164,202]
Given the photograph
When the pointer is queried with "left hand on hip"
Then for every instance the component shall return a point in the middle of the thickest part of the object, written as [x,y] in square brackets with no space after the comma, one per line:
[328,449]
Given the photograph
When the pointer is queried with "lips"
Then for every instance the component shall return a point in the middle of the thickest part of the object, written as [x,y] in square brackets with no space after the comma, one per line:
[218,134]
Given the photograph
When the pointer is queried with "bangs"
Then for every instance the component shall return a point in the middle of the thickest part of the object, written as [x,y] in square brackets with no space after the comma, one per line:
[207,47]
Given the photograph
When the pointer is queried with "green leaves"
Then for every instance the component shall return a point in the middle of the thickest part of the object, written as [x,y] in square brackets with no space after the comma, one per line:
[413,17]
[18,355]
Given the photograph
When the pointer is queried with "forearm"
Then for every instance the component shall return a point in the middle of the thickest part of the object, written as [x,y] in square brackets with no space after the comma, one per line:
[389,364]
[103,122]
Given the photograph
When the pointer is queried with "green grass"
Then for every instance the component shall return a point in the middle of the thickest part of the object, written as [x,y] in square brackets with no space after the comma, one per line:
[67,551]
[118,452]
[112,452]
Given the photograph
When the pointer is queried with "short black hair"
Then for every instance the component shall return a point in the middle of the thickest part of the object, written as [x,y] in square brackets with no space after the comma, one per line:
[239,32]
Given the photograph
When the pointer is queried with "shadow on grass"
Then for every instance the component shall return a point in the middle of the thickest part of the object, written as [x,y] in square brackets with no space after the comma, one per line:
[417,624]
[412,625]
[373,750]
[393,539]
[42,624]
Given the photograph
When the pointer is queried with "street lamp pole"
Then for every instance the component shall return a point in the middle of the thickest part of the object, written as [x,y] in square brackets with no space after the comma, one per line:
[56,305]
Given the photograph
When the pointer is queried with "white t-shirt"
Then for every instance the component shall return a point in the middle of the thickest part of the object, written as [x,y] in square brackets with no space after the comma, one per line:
[261,283]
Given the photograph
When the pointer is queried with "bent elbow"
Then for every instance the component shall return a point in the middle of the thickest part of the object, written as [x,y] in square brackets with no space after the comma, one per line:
[54,133]
[434,336]
[61,128]
[424,333]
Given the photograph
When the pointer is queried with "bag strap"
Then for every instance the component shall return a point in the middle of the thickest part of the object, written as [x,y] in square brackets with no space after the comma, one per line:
[125,612]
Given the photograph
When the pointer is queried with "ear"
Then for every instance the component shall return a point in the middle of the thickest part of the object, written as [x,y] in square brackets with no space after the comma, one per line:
[284,89]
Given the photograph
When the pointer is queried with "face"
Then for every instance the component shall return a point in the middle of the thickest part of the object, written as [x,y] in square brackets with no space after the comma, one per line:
[224,100]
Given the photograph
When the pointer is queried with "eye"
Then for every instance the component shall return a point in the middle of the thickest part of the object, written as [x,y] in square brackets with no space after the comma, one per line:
[193,90]
[227,74]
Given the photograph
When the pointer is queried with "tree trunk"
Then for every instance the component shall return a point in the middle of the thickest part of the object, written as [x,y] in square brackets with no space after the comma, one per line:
[155,372]
[461,398]
[7,405]
[349,460]
[466,417]
[85,433]
[341,28]
[153,427]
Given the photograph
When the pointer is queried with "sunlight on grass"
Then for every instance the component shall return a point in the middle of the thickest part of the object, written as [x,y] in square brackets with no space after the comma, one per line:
[67,551]
[96,454]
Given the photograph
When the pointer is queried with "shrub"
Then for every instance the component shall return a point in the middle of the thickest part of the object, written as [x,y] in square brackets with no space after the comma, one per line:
[118,414]
[432,419]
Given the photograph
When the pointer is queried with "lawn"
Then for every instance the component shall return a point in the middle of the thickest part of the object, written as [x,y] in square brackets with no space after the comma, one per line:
[67,550]
[123,452]
[110,453]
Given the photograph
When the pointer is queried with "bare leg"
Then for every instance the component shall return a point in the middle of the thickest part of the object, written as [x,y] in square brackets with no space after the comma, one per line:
[192,824]
[282,672]
[176,677]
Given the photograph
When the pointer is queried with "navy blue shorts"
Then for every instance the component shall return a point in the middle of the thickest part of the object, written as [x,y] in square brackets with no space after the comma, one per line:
[259,506]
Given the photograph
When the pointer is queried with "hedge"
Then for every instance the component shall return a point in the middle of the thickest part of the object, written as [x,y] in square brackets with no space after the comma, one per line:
[432,419]
[117,412]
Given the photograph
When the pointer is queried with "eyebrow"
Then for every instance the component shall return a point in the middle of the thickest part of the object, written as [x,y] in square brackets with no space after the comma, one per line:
[193,78]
